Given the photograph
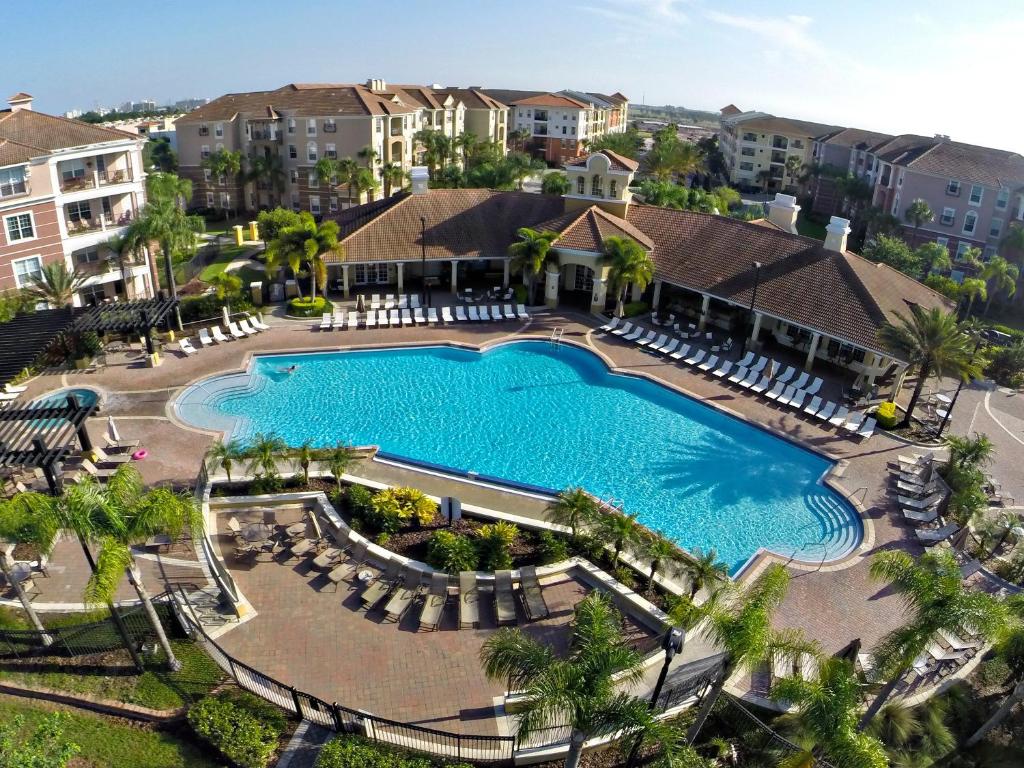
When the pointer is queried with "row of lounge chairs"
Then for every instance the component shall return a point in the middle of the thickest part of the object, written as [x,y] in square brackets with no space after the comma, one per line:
[9,394]
[214,335]
[418,316]
[391,301]
[920,495]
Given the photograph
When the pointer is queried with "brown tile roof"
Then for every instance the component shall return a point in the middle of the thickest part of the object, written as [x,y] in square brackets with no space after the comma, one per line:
[967,162]
[47,133]
[785,125]
[730,109]
[619,162]
[474,98]
[20,96]
[508,95]
[585,230]
[303,100]
[903,148]
[550,100]
[13,153]
[474,223]
[855,138]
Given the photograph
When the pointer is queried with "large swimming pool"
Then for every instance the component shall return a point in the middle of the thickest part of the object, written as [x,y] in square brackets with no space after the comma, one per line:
[552,417]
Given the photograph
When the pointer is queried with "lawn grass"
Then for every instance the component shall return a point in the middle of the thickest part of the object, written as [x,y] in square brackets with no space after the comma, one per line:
[221,227]
[112,678]
[226,256]
[107,742]
[809,228]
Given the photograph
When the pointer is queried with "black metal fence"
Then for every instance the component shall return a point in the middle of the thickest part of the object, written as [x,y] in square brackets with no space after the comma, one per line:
[729,708]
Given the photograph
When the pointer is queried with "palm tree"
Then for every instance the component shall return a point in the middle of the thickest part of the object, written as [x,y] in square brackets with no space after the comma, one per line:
[555,183]
[933,257]
[703,568]
[530,253]
[305,242]
[622,530]
[128,244]
[740,622]
[363,180]
[630,264]
[305,455]
[263,453]
[225,284]
[338,459]
[56,285]
[391,174]
[662,551]
[224,455]
[225,163]
[522,167]
[1009,646]
[969,452]
[1001,277]
[794,165]
[914,735]
[573,508]
[464,144]
[269,171]
[826,713]
[580,690]
[972,288]
[918,213]
[1012,243]
[930,341]
[934,598]
[19,526]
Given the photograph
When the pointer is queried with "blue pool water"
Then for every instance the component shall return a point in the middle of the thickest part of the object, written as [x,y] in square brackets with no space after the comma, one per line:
[60,397]
[552,417]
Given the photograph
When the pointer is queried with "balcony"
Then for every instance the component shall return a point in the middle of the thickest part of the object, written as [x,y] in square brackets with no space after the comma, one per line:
[540,129]
[780,142]
[97,223]
[77,183]
[779,158]
[265,134]
[115,176]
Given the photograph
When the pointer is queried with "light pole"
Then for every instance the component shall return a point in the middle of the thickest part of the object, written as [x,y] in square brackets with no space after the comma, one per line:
[671,643]
[750,312]
[423,252]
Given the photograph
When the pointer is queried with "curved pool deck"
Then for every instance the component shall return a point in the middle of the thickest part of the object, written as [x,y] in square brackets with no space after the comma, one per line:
[528,413]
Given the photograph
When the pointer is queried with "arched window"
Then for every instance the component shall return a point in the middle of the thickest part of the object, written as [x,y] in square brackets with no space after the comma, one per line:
[595,186]
[581,185]
[611,188]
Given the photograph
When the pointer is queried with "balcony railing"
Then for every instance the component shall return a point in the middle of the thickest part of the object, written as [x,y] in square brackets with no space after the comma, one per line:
[115,176]
[77,183]
[99,223]
[265,135]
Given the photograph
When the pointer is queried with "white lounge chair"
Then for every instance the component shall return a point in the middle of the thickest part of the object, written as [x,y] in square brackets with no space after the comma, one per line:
[815,386]
[339,320]
[204,337]
[406,317]
[258,323]
[418,317]
[746,361]
[235,331]
[375,301]
[431,315]
[854,421]
[910,502]
[635,334]
[868,428]
[787,396]
[186,346]
[813,406]
[935,535]
[474,312]
[646,339]
[393,318]
[508,312]
[623,329]
[389,301]
[247,329]
[414,301]
[446,315]
[521,312]
[750,379]
[485,313]
[683,352]
[775,391]
[801,379]
[661,341]
[460,314]
[759,365]
[669,348]
[696,357]
[495,312]
[403,301]
[955,642]
[371,319]
[839,417]
[797,400]
[762,386]
[218,334]
[353,320]
[787,374]
[610,325]
[926,516]
[382,318]
[13,389]
[708,364]
[826,413]
[739,375]
[723,369]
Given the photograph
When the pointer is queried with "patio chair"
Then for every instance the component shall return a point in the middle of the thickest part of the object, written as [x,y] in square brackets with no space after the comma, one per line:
[776,391]
[910,502]
[382,319]
[521,312]
[839,417]
[469,600]
[218,334]
[460,313]
[389,301]
[682,352]
[636,334]
[508,312]
[826,413]
[708,364]
[746,361]
[339,321]
[353,320]
[375,301]
[104,458]
[325,321]
[235,331]
[738,375]
[955,642]
[939,653]
[12,389]
[931,536]
[474,312]
[381,587]
[435,601]
[815,386]
[659,344]
[610,325]
[257,322]
[669,348]
[925,516]
[802,379]
[495,312]
[533,597]
[854,422]
[119,446]
[233,526]
[186,346]
[431,315]
[696,357]
[787,374]
[403,597]
[485,313]
[302,548]
[749,380]
[643,342]
[325,560]
[99,473]
[414,301]
[623,329]
[371,319]
[204,337]
[723,369]
[797,401]
[762,385]
[393,318]
[403,301]
[504,598]
[346,570]
[246,328]
[725,347]
[418,317]
[654,319]
[446,315]
[759,366]
[812,407]
[786,397]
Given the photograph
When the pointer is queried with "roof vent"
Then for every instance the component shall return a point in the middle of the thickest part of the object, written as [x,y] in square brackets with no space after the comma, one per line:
[782,212]
[836,233]
[19,101]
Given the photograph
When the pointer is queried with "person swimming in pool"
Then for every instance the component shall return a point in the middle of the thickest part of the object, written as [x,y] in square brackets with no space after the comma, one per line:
[290,369]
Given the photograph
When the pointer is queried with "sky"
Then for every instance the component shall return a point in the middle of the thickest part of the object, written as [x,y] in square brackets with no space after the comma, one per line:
[898,66]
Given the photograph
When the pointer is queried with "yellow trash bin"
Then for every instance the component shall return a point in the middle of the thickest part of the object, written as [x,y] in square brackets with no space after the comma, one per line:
[239,237]
[254,231]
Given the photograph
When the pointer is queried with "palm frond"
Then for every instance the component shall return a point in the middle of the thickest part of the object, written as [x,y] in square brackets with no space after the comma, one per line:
[114,557]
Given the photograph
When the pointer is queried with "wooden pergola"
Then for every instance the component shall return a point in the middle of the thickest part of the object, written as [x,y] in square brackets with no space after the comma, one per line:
[25,337]
[128,317]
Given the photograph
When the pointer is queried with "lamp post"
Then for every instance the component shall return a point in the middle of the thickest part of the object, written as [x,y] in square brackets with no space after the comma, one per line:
[959,386]
[423,252]
[750,312]
[671,643]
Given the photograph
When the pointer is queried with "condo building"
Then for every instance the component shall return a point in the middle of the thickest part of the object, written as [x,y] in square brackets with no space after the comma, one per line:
[67,188]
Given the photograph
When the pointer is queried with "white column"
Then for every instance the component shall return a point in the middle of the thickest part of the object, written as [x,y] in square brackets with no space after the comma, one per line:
[657,295]
[599,296]
[504,279]
[344,280]
[401,277]
[757,326]
[551,288]
[812,351]
[455,276]
[705,308]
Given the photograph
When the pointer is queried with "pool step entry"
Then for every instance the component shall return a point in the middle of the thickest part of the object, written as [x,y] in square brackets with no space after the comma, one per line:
[556,336]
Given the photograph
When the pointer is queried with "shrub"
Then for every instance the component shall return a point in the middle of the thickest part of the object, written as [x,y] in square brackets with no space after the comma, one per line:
[1006,366]
[394,507]
[241,727]
[886,415]
[416,505]
[626,576]
[357,752]
[360,502]
[634,308]
[496,541]
[307,307]
[451,552]
[993,672]
[195,308]
[521,293]
[551,548]
[266,484]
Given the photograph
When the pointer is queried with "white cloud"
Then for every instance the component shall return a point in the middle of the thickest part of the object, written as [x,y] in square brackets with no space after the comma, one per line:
[647,16]
[791,33]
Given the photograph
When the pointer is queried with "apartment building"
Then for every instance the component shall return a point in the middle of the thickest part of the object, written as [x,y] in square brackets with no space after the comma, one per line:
[757,145]
[847,150]
[66,188]
[560,124]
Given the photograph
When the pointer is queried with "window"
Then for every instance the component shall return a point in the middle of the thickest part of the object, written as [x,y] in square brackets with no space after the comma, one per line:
[331,152]
[311,152]
[20,226]
[314,205]
[88,256]
[595,186]
[291,125]
[218,130]
[222,180]
[581,186]
[943,241]
[583,280]
[12,181]
[962,247]
[746,166]
[750,137]
[371,273]
[293,153]
[225,200]
[105,206]
[27,270]
[948,217]
[1002,198]
[295,201]
[747,151]
[333,204]
[204,130]
[563,130]
[379,124]
[953,188]
[995,228]
[219,147]
[970,222]
[612,188]
[574,130]
[311,127]
[204,152]
[330,126]
[294,176]
[209,199]
[206,175]
[80,211]
[977,191]
[314,180]
[72,169]
[988,253]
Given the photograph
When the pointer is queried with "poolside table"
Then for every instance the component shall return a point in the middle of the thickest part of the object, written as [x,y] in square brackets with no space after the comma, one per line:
[257,532]
[944,399]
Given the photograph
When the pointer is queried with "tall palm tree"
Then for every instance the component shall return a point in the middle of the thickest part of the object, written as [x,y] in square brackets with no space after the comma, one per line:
[933,257]
[128,245]
[573,508]
[224,162]
[794,165]
[464,144]
[555,183]
[1009,646]
[1001,277]
[338,459]
[1012,244]
[934,597]
[56,285]
[930,341]
[305,242]
[267,170]
[523,166]
[662,551]
[621,530]
[826,713]
[914,736]
[630,264]
[580,690]
[703,568]
[304,456]
[530,253]
[918,213]
[19,526]
[972,289]
[224,454]
[391,174]
[363,180]
[740,623]
[263,452]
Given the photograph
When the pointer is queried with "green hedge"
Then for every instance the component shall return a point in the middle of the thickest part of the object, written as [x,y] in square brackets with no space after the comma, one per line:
[307,307]
[243,728]
[356,752]
[635,308]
